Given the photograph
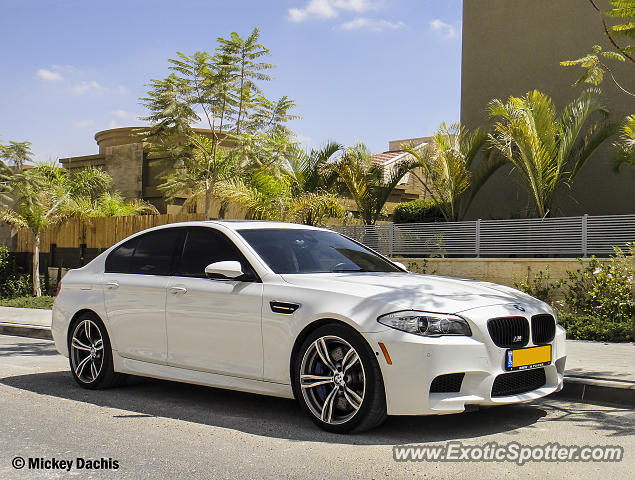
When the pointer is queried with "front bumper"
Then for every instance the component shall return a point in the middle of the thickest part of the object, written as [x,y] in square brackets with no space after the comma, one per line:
[416,361]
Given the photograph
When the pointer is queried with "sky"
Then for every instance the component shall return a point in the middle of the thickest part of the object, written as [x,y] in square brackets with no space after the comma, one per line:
[358,70]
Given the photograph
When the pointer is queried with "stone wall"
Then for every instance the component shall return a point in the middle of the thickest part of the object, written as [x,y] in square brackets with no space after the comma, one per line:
[124,163]
[498,270]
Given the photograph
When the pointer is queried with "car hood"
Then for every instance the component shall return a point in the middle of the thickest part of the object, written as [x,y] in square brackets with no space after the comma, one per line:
[422,292]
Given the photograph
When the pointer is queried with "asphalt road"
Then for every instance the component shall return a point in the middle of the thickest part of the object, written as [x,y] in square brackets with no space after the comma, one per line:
[166,430]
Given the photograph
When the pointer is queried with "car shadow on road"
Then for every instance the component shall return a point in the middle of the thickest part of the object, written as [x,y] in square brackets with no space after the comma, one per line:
[29,348]
[268,416]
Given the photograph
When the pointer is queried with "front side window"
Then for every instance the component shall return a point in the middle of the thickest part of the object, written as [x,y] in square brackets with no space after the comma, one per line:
[204,246]
[313,251]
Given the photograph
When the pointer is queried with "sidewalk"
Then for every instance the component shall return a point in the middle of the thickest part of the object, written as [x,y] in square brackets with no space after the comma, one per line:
[596,372]
[25,322]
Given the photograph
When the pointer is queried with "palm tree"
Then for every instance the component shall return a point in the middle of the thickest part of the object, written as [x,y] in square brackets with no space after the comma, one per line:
[625,148]
[106,204]
[263,195]
[47,195]
[35,204]
[312,182]
[547,149]
[448,164]
[369,185]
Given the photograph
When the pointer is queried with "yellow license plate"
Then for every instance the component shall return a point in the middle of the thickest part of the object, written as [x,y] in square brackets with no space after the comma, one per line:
[524,358]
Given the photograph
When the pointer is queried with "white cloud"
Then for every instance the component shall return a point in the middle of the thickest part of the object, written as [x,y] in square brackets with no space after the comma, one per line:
[303,139]
[371,24]
[88,86]
[84,123]
[328,9]
[442,28]
[49,75]
[114,124]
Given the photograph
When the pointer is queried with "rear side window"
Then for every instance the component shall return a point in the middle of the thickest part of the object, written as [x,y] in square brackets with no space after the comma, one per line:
[154,252]
[204,246]
[149,254]
[120,259]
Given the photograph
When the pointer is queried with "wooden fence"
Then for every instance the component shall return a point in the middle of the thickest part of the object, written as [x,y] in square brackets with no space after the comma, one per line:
[100,233]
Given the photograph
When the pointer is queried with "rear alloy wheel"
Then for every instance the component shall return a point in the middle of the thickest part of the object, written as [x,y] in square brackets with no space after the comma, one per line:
[338,382]
[90,355]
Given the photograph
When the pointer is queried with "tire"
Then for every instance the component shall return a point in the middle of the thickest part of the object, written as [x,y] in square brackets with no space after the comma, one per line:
[90,353]
[330,395]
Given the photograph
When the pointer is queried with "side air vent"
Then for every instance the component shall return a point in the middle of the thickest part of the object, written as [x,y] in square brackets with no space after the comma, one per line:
[283,307]
[447,383]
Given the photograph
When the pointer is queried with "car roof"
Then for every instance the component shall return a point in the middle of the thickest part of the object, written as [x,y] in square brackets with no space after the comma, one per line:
[252,224]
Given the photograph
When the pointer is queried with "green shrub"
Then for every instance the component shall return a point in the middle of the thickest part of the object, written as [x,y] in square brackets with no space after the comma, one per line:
[422,267]
[43,302]
[602,290]
[597,300]
[422,210]
[12,283]
[538,285]
[583,327]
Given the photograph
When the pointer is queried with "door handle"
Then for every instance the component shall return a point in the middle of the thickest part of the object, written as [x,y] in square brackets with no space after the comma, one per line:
[176,290]
[112,285]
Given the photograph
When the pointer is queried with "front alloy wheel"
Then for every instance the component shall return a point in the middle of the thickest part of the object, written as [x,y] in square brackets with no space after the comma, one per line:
[337,380]
[332,380]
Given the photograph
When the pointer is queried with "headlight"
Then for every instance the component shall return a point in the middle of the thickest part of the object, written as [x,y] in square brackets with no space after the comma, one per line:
[426,324]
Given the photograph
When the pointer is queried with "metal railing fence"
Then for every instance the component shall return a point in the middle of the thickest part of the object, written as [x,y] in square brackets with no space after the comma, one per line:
[565,236]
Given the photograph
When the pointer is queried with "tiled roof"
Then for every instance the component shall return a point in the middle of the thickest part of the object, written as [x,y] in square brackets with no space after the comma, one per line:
[382,158]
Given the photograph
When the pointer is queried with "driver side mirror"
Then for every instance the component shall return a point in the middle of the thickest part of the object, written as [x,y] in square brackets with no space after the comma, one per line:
[228,269]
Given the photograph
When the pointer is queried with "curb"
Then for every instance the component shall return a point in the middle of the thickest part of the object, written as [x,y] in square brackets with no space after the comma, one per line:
[26,331]
[578,388]
[599,391]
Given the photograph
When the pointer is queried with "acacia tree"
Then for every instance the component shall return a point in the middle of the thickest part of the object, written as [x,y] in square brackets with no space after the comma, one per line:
[222,91]
[548,149]
[596,63]
[369,185]
[16,154]
[448,162]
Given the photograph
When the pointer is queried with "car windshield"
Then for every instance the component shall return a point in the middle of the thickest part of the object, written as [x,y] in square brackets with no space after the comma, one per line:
[290,250]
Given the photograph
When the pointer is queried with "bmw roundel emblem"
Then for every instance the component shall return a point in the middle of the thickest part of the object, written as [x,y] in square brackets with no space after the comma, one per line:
[519,307]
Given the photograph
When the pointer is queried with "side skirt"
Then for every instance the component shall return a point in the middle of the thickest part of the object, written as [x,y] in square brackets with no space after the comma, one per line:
[167,372]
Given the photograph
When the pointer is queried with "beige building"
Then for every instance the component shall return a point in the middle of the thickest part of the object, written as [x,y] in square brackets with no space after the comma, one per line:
[137,172]
[513,46]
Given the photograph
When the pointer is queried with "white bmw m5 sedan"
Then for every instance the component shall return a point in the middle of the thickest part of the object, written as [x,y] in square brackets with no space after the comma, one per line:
[306,313]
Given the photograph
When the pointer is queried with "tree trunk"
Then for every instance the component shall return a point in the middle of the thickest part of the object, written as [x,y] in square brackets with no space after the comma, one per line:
[223,209]
[207,201]
[37,292]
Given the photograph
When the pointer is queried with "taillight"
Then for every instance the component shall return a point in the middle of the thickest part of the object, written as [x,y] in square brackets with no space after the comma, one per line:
[57,290]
